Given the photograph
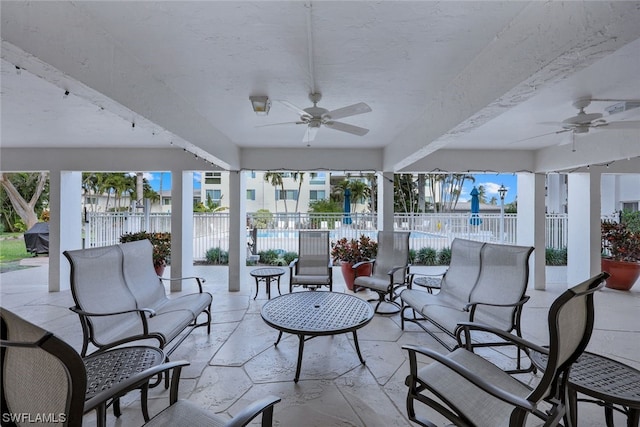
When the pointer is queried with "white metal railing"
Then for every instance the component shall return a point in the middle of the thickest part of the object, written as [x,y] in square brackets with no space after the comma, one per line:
[280,231]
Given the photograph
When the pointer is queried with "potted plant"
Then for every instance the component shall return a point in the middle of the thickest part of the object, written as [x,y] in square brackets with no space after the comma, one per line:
[161,247]
[350,252]
[621,250]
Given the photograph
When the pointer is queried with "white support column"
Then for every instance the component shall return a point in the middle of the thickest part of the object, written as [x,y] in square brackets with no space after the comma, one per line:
[237,228]
[385,201]
[531,224]
[65,229]
[181,226]
[583,249]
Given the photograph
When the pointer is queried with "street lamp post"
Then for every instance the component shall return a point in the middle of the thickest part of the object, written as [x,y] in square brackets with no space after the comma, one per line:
[502,191]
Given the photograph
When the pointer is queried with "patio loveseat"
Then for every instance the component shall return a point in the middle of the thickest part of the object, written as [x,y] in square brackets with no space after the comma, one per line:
[485,283]
[121,299]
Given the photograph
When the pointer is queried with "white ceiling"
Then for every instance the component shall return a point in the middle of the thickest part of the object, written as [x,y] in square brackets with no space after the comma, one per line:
[439,76]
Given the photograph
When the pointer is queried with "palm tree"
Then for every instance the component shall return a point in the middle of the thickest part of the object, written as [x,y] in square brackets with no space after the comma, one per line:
[299,178]
[276,179]
[359,193]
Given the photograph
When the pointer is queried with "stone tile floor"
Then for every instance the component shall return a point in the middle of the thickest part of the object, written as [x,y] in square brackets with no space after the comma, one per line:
[238,362]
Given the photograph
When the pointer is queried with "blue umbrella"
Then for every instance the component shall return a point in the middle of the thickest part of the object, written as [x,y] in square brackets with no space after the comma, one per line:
[347,207]
[475,208]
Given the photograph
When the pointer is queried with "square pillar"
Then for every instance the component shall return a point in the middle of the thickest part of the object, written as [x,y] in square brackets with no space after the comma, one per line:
[584,241]
[531,224]
[237,228]
[385,201]
[181,226]
[65,224]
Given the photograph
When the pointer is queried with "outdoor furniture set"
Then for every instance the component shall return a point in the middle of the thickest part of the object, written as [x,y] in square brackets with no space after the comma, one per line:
[485,283]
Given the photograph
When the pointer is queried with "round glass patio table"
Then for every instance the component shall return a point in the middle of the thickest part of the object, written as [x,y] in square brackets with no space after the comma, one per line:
[315,313]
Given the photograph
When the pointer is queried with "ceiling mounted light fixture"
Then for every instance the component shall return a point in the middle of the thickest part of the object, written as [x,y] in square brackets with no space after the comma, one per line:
[260,104]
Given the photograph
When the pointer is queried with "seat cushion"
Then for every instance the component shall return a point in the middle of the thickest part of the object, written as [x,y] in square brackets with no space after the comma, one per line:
[309,279]
[170,324]
[478,405]
[195,303]
[372,282]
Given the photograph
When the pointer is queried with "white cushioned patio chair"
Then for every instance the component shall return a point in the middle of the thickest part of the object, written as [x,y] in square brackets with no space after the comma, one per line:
[471,391]
[390,269]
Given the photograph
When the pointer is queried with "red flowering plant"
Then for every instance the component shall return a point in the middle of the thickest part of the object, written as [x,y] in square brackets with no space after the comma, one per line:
[354,250]
[161,245]
[620,242]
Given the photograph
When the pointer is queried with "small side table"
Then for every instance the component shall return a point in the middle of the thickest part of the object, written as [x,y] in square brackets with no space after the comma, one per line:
[430,282]
[608,383]
[267,275]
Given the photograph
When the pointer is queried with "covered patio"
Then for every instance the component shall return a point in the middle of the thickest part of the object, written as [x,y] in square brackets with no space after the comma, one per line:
[238,363]
[93,86]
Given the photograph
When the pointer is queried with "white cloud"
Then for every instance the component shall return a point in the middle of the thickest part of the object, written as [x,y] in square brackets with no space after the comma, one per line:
[491,188]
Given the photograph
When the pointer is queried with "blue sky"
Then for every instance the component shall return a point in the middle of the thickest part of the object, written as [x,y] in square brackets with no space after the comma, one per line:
[490,181]
[164,178]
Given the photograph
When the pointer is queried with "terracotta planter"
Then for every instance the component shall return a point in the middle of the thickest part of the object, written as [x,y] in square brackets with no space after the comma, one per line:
[160,269]
[350,275]
[623,274]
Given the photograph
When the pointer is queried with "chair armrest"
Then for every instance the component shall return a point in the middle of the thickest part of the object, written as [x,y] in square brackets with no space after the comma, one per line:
[254,409]
[469,326]
[520,303]
[199,280]
[133,382]
[470,376]
[293,263]
[141,311]
[358,264]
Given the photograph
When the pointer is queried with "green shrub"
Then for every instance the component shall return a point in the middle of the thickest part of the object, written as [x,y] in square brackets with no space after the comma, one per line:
[268,257]
[289,256]
[555,256]
[444,256]
[427,256]
[217,256]
[412,256]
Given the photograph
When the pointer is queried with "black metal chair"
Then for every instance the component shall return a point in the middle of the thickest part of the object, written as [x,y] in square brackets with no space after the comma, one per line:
[390,269]
[471,391]
[44,376]
[313,267]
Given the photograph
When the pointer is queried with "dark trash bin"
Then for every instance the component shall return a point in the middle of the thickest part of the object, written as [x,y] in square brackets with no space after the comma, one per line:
[36,239]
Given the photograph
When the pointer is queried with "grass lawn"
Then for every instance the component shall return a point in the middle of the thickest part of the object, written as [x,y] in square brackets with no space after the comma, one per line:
[12,250]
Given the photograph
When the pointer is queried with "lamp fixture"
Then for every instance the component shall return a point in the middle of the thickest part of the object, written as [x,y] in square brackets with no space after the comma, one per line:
[260,104]
[502,191]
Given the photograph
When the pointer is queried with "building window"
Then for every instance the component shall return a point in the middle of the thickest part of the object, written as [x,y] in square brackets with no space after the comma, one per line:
[319,179]
[214,195]
[286,194]
[166,201]
[253,174]
[213,178]
[316,195]
[251,194]
[90,200]
[630,206]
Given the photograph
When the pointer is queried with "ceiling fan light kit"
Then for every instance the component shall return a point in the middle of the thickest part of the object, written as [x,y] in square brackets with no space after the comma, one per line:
[316,117]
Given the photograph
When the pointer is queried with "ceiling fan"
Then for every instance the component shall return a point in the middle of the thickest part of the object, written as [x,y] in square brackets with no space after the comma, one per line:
[582,122]
[315,117]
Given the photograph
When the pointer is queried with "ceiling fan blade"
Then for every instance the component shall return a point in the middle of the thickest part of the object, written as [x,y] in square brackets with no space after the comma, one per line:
[540,136]
[310,134]
[344,127]
[279,124]
[295,108]
[556,124]
[629,124]
[348,111]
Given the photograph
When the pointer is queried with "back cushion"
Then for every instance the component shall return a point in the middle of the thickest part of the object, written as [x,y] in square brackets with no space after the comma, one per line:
[503,278]
[464,269]
[313,253]
[393,251]
[140,274]
[98,286]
